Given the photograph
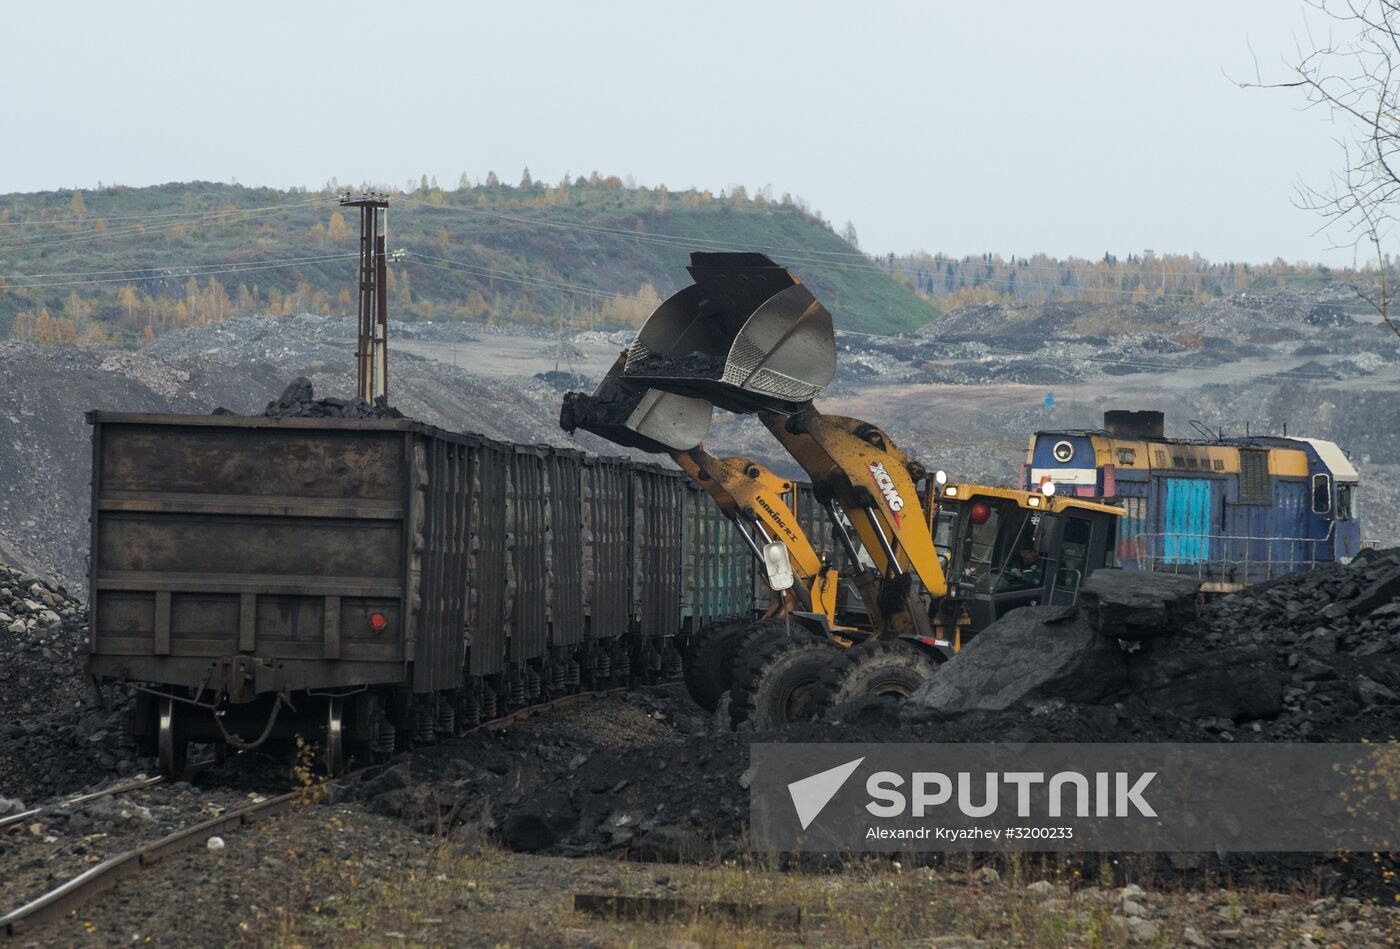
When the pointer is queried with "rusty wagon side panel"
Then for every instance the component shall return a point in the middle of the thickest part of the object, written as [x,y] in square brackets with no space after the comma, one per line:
[489,478]
[252,554]
[607,531]
[658,525]
[566,547]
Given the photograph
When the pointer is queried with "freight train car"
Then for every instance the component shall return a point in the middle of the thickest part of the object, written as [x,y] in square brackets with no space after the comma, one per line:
[369,584]
[1233,510]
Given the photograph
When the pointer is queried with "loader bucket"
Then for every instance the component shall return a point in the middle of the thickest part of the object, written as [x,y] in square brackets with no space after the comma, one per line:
[746,336]
[637,417]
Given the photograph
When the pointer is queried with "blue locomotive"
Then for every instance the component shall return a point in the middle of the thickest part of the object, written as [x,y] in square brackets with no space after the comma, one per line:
[1234,511]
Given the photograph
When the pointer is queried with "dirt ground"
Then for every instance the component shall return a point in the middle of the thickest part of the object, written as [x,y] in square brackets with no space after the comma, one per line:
[336,876]
[343,872]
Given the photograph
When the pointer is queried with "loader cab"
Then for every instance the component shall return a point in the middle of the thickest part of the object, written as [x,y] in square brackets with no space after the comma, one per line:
[1015,548]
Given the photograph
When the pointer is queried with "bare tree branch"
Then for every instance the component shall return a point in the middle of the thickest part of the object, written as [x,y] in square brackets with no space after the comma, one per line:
[1354,74]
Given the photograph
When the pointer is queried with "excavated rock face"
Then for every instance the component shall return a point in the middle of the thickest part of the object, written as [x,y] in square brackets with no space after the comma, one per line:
[1032,654]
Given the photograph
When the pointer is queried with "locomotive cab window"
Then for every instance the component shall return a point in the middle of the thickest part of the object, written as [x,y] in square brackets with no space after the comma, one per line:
[1321,494]
[1346,501]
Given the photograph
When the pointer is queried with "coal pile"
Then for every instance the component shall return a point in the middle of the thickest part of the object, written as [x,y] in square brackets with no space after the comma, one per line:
[299,400]
[53,737]
[1313,656]
[696,365]
[1334,638]
[677,793]
[611,406]
[562,381]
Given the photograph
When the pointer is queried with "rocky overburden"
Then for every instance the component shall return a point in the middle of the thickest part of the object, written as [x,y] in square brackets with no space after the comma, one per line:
[1313,656]
[53,737]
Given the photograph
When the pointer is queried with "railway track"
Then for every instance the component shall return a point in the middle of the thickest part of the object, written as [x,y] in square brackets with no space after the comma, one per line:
[121,787]
[78,890]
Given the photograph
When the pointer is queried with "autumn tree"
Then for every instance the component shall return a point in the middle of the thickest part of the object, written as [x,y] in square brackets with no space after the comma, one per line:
[22,326]
[336,231]
[45,327]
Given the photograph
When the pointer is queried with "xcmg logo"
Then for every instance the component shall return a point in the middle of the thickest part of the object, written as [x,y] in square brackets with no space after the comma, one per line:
[923,793]
[885,483]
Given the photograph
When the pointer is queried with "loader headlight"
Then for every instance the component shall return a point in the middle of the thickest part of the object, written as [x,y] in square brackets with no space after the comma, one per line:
[940,477]
[1048,489]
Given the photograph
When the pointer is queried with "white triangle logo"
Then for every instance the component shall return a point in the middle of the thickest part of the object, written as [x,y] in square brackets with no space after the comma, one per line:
[812,794]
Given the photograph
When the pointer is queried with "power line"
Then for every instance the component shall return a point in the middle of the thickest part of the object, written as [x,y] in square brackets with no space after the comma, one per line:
[1176,367]
[147,270]
[601,228]
[27,243]
[867,264]
[473,270]
[236,268]
[90,219]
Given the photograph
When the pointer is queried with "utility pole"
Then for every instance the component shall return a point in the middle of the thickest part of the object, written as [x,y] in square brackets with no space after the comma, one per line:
[372,350]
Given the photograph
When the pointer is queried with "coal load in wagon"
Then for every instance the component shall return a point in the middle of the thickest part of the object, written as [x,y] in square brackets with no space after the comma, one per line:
[299,400]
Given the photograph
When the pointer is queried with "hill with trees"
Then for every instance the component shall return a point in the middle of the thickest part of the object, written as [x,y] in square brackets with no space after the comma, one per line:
[120,265]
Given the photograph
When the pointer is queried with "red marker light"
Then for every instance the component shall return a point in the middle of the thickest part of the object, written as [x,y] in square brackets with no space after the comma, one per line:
[979,512]
[377,621]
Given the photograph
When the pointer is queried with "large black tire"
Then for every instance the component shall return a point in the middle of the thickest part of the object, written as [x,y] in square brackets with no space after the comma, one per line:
[709,661]
[884,669]
[777,676]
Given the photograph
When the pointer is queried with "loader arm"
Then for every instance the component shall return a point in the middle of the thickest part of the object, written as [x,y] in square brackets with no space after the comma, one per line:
[751,496]
[747,336]
[748,494]
[854,464]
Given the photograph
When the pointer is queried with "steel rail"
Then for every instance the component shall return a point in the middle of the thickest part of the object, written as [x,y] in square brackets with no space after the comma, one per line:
[121,787]
[73,893]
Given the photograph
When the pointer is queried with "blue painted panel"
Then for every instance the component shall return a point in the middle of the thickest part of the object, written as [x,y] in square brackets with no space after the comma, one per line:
[1136,523]
[1187,532]
[1292,514]
[1042,456]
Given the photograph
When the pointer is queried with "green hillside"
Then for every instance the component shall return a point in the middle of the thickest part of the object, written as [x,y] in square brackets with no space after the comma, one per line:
[118,265]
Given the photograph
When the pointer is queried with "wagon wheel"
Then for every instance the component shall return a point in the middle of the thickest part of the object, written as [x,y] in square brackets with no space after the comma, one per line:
[172,744]
[335,738]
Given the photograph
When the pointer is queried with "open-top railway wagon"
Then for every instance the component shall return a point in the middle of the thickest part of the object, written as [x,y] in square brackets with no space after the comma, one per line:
[369,584]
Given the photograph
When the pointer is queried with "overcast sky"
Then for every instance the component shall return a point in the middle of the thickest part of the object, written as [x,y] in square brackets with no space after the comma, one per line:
[963,127]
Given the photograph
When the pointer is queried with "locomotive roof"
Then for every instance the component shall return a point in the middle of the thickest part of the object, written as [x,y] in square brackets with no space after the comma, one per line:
[1330,453]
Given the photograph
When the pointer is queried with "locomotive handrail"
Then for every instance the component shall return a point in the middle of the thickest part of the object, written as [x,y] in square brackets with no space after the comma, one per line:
[1300,554]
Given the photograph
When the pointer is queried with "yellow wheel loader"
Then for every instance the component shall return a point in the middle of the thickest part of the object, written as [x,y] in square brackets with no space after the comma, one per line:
[933,561]
[757,501]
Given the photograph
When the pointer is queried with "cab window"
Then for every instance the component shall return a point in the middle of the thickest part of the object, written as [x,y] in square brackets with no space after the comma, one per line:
[1321,494]
[1000,553]
[1074,553]
[1346,501]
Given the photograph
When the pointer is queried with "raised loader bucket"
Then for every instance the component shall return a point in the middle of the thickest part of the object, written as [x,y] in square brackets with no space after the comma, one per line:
[634,416]
[747,335]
